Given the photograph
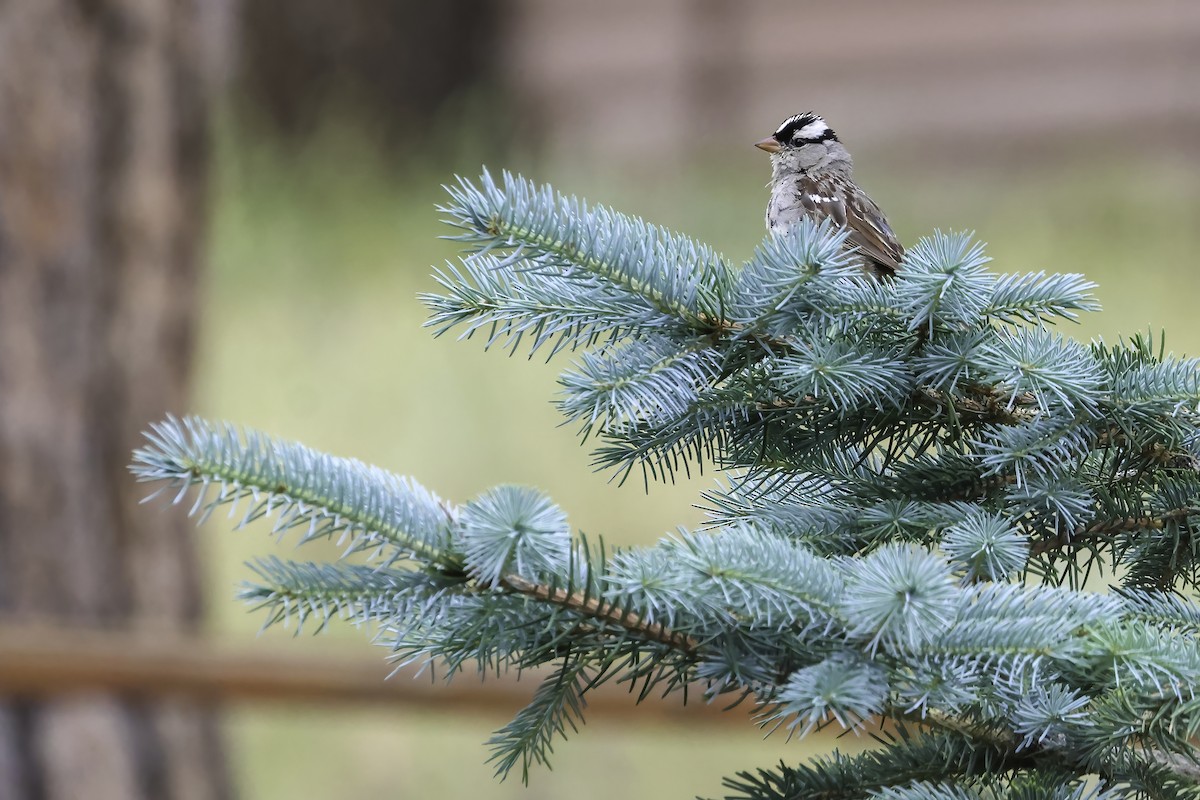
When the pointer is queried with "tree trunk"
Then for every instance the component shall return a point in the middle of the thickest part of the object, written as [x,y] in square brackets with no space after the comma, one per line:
[396,66]
[103,153]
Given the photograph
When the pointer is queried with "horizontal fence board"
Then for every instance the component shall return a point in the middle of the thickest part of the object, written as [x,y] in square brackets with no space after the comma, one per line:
[45,661]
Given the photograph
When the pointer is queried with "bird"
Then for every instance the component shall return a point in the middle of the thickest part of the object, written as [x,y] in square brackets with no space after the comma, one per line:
[811,177]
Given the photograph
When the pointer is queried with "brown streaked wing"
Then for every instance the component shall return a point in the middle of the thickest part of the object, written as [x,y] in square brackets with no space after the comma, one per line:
[821,201]
[848,207]
[870,232]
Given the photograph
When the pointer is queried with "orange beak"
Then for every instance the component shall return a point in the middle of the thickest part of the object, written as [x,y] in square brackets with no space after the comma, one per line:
[769,144]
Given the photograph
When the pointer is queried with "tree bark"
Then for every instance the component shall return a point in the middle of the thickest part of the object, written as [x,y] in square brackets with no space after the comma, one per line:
[103,156]
[396,66]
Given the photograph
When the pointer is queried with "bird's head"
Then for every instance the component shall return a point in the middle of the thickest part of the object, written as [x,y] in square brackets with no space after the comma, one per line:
[798,131]
[805,144]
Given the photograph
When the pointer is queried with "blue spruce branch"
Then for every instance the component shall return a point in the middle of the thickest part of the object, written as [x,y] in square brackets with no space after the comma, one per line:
[904,460]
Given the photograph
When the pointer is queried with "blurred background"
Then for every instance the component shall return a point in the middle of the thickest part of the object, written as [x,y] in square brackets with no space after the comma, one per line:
[228,208]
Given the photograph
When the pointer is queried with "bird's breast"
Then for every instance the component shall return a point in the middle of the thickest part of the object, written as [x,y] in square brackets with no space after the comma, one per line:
[784,207]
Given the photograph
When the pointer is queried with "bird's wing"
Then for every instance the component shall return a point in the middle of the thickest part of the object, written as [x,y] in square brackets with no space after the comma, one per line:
[848,207]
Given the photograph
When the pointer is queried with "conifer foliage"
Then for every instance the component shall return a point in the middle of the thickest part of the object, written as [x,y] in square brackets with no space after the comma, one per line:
[918,475]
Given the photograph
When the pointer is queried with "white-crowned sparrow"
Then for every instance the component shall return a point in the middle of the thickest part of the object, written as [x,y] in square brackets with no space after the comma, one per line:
[811,177]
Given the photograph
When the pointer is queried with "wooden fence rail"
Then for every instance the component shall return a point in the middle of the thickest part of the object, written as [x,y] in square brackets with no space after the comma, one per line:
[44,661]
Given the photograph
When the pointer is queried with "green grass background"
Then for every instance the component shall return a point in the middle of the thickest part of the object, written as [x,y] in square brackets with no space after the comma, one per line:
[311,330]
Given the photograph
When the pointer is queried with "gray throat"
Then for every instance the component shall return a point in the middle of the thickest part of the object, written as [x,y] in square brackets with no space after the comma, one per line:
[822,158]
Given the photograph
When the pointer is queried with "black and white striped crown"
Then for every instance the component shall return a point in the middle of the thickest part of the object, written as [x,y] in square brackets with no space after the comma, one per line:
[804,128]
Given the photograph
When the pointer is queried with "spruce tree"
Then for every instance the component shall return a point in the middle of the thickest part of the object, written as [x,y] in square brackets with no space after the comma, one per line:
[918,475]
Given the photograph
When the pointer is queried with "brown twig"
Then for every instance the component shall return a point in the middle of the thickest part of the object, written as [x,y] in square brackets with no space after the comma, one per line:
[1186,767]
[1110,526]
[598,609]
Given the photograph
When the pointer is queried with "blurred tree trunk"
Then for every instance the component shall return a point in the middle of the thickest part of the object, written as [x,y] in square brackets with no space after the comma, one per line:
[398,66]
[103,152]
